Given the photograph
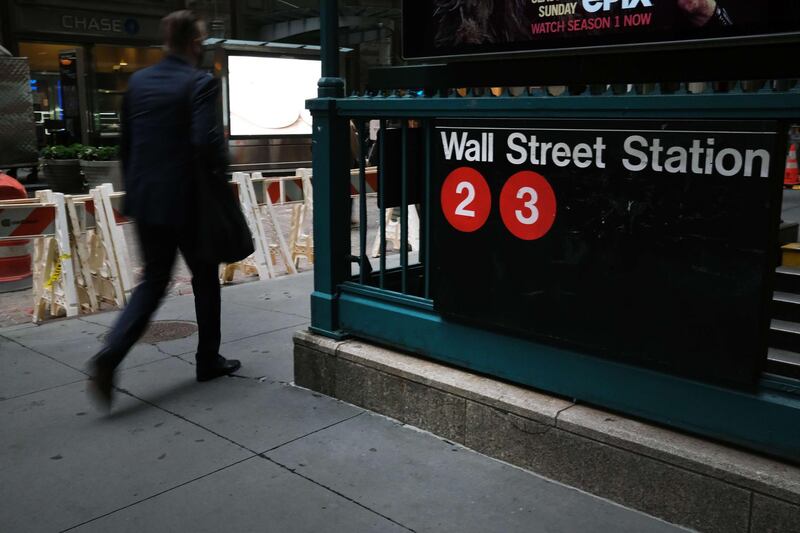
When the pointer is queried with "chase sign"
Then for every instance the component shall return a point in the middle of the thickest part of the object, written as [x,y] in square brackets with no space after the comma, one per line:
[75,22]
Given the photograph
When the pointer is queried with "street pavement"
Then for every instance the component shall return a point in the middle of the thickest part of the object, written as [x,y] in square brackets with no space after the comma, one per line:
[245,453]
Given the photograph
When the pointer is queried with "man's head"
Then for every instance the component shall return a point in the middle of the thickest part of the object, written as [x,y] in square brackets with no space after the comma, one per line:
[183,34]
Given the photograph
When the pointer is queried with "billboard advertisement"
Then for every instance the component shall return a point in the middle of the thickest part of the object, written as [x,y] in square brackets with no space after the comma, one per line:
[439,28]
[267,95]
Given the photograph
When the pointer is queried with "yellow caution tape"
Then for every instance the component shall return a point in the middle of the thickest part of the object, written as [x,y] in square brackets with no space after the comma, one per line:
[56,271]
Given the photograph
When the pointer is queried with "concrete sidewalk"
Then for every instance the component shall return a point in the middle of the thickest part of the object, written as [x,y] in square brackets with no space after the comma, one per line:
[247,453]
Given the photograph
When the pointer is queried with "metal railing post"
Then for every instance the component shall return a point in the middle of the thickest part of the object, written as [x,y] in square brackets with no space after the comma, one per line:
[330,147]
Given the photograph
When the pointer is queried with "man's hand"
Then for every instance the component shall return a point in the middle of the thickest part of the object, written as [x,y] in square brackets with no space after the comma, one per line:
[699,11]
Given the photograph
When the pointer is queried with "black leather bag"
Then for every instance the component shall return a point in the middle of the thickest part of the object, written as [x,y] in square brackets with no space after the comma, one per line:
[222,231]
[223,235]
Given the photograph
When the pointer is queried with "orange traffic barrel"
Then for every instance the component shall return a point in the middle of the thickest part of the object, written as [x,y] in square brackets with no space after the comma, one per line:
[791,177]
[15,256]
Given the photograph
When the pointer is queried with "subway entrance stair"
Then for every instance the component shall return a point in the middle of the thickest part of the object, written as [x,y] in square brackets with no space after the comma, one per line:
[784,335]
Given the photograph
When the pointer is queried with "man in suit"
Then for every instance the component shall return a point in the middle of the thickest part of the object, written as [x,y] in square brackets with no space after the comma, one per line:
[170,138]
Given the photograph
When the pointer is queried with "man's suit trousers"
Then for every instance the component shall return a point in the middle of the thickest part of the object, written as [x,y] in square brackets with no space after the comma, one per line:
[159,245]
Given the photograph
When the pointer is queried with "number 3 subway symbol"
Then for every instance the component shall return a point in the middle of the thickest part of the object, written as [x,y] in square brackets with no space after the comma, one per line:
[466,199]
[528,205]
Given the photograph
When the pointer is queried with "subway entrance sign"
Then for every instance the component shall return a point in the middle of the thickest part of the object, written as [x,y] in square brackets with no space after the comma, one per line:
[646,241]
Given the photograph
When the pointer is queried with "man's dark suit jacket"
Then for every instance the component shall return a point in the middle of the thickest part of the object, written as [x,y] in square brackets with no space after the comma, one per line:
[169,132]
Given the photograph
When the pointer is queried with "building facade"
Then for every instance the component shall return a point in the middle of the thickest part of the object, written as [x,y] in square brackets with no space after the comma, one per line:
[82,53]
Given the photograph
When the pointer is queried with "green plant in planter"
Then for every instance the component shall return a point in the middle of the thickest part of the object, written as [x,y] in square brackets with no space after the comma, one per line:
[60,151]
[62,169]
[99,153]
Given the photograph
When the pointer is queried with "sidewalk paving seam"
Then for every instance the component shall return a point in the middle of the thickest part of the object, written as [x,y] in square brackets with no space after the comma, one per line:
[181,417]
[160,350]
[15,341]
[321,485]
[311,433]
[221,436]
[5,398]
[84,319]
[512,465]
[305,321]
[334,491]
[158,493]
[252,456]
[166,357]
[17,327]
[83,371]
[271,310]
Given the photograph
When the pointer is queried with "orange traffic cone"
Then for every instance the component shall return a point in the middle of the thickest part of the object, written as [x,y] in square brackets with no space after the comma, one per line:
[791,177]
[15,256]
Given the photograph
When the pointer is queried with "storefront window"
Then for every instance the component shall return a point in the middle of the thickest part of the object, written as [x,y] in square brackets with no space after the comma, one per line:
[87,109]
[48,93]
[113,66]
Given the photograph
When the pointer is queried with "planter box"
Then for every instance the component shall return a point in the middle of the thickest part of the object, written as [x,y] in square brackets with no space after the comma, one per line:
[100,172]
[63,175]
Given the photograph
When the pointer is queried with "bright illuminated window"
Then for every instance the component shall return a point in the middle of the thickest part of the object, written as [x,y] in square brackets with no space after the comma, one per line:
[268,94]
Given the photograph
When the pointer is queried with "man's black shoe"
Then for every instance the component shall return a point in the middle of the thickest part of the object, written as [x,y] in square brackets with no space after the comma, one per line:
[101,382]
[220,367]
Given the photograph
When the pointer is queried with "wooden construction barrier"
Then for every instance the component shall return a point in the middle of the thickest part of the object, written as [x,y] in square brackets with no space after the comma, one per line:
[392,226]
[109,258]
[54,282]
[301,243]
[277,246]
[80,254]
[269,241]
[393,231]
[370,179]
[26,218]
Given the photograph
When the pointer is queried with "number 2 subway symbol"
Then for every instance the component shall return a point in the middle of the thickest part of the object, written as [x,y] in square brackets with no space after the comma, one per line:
[466,199]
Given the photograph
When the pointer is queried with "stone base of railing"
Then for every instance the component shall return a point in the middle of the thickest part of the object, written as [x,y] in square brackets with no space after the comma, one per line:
[680,478]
